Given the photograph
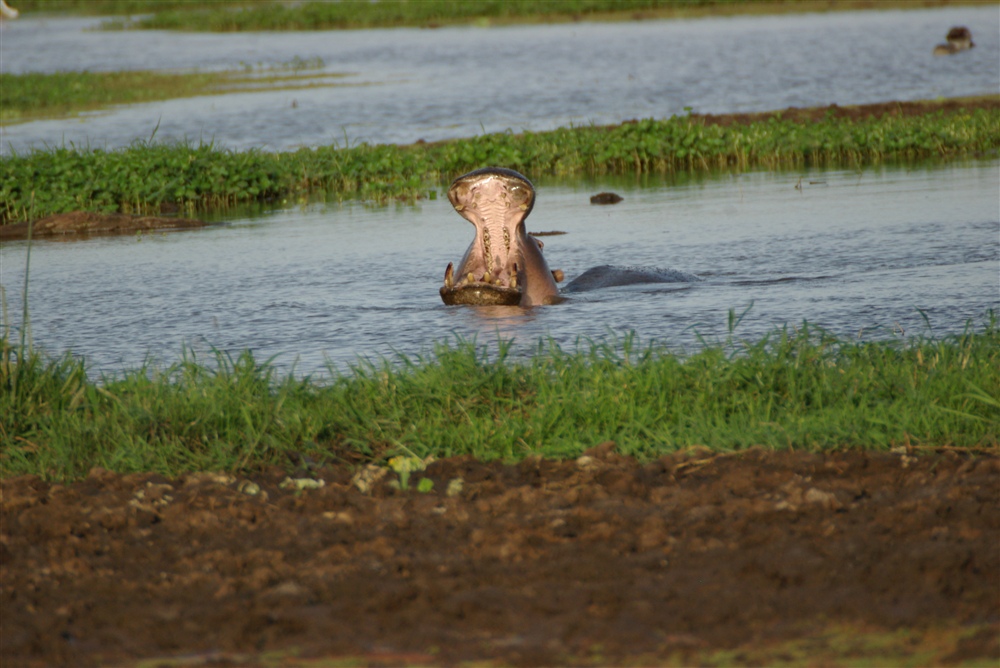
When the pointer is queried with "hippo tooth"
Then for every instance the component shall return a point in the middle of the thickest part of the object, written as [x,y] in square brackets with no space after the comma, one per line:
[449,276]
[472,279]
[558,275]
[487,278]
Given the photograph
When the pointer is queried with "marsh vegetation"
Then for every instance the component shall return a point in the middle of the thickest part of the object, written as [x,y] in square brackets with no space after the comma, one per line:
[149,176]
[797,388]
[246,15]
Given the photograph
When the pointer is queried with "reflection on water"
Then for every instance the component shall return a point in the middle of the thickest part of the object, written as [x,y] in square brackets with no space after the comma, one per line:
[408,84]
[851,251]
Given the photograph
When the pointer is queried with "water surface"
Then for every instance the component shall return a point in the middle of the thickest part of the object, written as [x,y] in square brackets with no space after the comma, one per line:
[407,84]
[860,253]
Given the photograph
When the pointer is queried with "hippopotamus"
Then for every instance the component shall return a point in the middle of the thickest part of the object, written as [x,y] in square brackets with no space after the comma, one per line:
[504,266]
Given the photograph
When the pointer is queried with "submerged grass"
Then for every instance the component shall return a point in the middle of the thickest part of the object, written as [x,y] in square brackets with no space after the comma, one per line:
[33,96]
[146,176]
[797,388]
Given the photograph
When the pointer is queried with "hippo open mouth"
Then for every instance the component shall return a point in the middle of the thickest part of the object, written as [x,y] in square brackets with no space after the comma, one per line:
[504,264]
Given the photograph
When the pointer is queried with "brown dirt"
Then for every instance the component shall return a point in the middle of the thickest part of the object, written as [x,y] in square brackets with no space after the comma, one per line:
[76,223]
[602,560]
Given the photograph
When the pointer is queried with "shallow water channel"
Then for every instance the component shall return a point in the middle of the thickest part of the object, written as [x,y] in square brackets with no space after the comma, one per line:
[406,84]
[857,252]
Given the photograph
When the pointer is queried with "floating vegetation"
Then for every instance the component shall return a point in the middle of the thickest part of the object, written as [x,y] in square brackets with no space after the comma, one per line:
[147,176]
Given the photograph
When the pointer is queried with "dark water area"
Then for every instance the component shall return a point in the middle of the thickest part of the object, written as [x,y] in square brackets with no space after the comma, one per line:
[867,253]
[408,84]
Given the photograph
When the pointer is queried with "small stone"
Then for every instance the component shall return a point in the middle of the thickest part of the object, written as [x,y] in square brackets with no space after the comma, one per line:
[606,198]
[300,484]
[248,487]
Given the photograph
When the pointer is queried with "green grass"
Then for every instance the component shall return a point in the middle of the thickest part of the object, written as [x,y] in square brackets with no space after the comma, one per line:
[833,646]
[251,15]
[342,15]
[145,176]
[28,97]
[793,389]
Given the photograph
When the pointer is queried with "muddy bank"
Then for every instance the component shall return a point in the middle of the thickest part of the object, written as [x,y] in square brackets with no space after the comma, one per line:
[80,223]
[856,112]
[602,560]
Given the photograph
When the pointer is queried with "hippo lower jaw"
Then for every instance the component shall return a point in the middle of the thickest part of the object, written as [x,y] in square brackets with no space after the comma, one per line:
[478,292]
[504,264]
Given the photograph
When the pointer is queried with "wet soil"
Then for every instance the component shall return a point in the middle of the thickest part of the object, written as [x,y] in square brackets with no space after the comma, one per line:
[602,560]
[84,223]
[856,112]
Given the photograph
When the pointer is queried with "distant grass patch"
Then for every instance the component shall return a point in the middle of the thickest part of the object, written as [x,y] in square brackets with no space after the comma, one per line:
[145,176]
[363,14]
[798,388]
[32,96]
[348,14]
[111,7]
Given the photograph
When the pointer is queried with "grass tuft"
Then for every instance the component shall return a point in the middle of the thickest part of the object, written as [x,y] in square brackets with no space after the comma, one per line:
[797,388]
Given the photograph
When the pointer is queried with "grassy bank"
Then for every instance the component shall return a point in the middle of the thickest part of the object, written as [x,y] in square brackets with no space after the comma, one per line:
[793,389]
[145,177]
[28,97]
[228,16]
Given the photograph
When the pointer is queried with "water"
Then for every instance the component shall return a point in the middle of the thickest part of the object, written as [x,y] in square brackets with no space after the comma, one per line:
[854,252]
[410,84]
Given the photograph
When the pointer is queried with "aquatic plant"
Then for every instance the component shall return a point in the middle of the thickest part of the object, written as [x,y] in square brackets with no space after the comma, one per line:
[147,176]
[796,388]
